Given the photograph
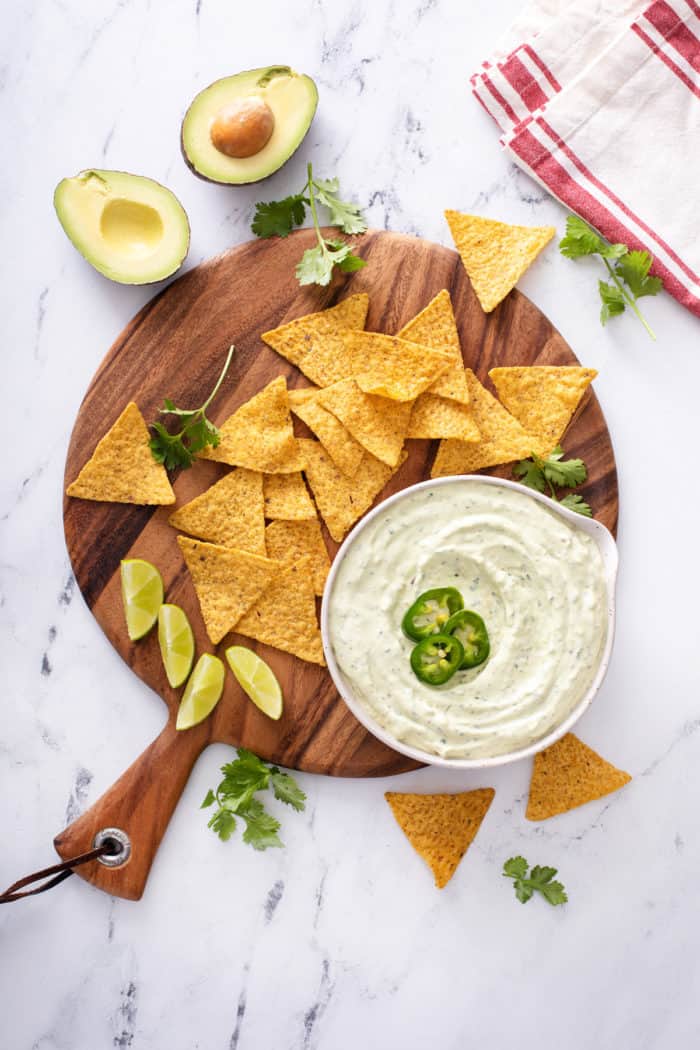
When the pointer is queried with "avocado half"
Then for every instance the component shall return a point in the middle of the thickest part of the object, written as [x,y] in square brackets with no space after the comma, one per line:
[130,228]
[292,99]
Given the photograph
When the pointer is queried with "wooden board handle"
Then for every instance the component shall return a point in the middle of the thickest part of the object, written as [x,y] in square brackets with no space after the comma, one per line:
[141,804]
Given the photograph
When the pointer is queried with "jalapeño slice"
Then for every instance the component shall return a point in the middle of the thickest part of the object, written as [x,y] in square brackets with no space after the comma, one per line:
[430,612]
[435,659]
[470,630]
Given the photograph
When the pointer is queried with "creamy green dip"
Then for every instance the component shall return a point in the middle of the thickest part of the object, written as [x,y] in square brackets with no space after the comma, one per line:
[537,581]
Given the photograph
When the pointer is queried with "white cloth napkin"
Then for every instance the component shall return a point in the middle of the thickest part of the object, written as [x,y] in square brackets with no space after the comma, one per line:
[599,100]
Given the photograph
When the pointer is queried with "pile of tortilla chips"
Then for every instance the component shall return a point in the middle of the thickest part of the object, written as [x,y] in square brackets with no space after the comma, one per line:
[258,558]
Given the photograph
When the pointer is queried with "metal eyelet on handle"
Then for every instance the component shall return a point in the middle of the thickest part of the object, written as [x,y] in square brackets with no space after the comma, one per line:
[122,847]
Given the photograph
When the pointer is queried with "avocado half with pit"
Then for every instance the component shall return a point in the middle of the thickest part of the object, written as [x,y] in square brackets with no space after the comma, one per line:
[243,128]
[130,228]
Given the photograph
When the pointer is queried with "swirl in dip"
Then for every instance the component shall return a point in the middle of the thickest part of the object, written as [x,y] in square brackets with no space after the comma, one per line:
[537,581]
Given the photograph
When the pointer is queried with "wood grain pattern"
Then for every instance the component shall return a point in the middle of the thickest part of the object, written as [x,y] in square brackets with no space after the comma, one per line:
[175,347]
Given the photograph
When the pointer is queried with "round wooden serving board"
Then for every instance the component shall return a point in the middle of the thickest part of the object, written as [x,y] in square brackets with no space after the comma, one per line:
[175,348]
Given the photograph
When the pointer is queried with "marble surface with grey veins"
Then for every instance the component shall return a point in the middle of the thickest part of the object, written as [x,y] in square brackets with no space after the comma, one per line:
[339,941]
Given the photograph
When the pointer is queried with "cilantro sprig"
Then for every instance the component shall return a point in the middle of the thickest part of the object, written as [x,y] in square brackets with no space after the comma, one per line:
[278,219]
[538,880]
[542,473]
[235,798]
[628,270]
[196,431]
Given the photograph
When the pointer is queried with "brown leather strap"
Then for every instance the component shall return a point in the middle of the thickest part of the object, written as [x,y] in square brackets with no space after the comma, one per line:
[53,875]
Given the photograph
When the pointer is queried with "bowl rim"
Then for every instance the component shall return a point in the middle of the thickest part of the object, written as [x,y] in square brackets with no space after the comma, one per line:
[607,546]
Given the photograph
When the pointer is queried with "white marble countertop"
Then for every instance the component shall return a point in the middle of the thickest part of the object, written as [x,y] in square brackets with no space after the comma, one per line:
[340,940]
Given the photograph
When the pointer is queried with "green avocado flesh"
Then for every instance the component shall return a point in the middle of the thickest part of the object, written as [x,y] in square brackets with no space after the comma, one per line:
[291,96]
[130,228]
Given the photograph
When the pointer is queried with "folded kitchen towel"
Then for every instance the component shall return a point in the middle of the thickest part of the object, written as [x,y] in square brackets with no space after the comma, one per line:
[600,102]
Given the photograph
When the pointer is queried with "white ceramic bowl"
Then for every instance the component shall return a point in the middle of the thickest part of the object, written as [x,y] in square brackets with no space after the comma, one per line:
[608,550]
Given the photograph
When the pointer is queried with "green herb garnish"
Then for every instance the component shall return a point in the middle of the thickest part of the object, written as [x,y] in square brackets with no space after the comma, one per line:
[628,270]
[541,473]
[234,797]
[539,880]
[179,449]
[278,219]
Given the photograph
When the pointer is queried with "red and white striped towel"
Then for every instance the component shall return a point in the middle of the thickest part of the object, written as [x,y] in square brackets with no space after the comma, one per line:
[599,100]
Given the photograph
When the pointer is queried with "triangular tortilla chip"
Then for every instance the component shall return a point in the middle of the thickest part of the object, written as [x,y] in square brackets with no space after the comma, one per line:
[337,440]
[229,513]
[287,498]
[342,500]
[542,397]
[441,828]
[435,326]
[285,616]
[291,540]
[495,254]
[502,437]
[259,434]
[440,417]
[569,774]
[227,582]
[392,367]
[378,424]
[122,469]
[299,337]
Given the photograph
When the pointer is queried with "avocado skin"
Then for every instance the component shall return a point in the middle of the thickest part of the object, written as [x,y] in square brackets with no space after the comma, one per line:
[262,178]
[115,280]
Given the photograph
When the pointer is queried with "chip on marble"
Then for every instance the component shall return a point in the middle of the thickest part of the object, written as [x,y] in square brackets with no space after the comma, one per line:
[569,774]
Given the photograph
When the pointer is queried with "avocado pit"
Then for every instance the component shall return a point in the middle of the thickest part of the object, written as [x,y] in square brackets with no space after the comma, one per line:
[243,127]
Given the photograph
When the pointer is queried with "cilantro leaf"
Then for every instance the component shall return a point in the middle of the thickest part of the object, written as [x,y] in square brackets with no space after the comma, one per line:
[564,473]
[523,891]
[576,503]
[196,431]
[235,797]
[629,276]
[287,790]
[554,893]
[261,828]
[613,301]
[539,881]
[344,214]
[530,473]
[316,266]
[515,868]
[278,218]
[223,823]
[634,269]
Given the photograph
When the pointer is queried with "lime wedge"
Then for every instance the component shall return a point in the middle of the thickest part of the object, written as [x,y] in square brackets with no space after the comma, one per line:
[176,643]
[202,692]
[142,592]
[256,679]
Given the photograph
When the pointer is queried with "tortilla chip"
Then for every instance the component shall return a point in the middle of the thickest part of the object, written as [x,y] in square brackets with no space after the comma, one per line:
[298,338]
[229,513]
[378,424]
[259,434]
[227,581]
[441,828]
[291,540]
[502,437]
[341,500]
[122,469]
[569,774]
[543,398]
[287,498]
[338,442]
[495,254]
[439,417]
[393,367]
[285,615]
[435,326]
